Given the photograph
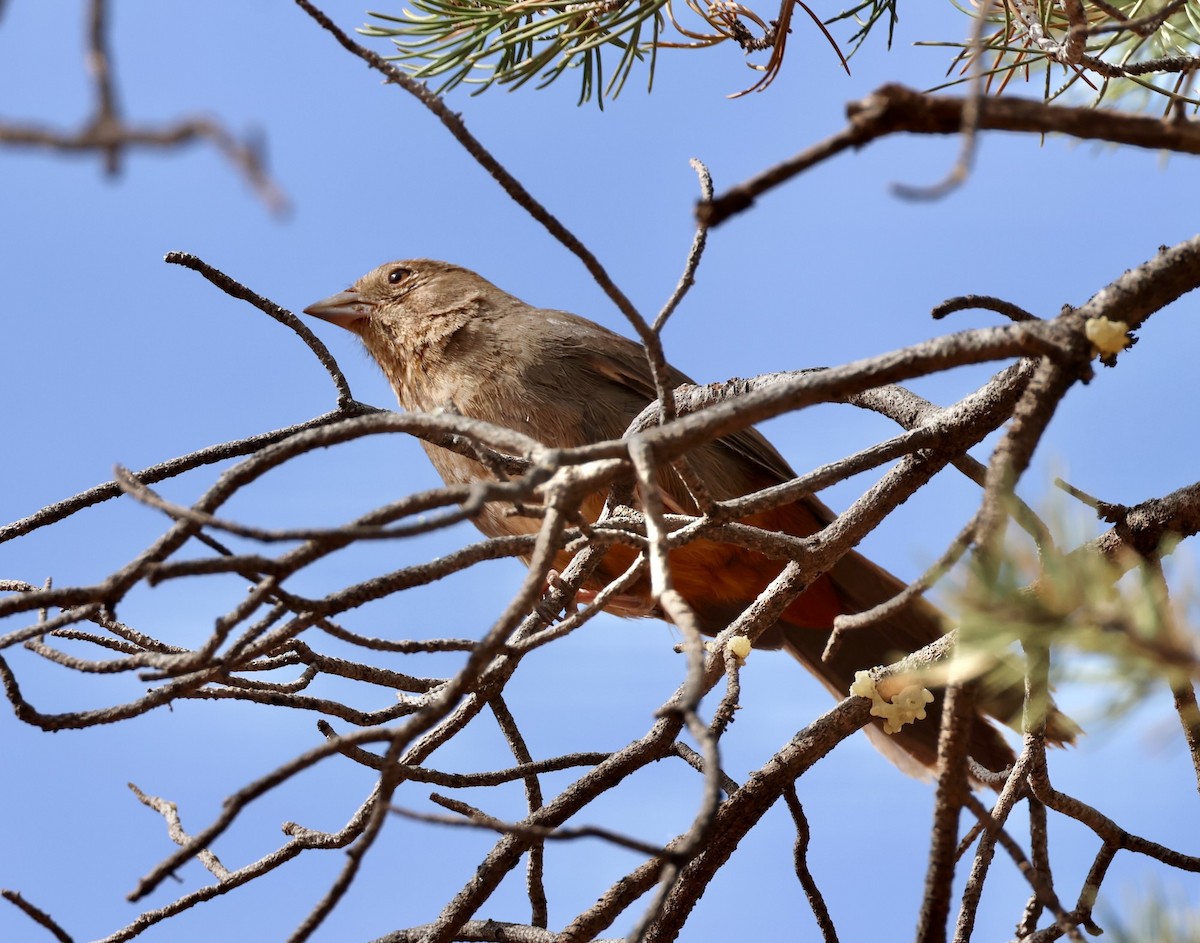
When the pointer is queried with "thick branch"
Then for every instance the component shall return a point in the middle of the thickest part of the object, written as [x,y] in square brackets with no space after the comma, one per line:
[894,109]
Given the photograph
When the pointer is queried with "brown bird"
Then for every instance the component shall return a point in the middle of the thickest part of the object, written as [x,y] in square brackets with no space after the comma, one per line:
[444,335]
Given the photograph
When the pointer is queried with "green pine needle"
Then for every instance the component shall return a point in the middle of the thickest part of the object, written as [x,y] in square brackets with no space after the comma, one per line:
[485,42]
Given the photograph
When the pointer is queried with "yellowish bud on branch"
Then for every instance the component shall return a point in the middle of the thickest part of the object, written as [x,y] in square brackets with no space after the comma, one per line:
[1108,337]
[906,707]
[739,648]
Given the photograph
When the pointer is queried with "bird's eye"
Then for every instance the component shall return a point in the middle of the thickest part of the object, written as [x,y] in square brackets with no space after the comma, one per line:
[397,275]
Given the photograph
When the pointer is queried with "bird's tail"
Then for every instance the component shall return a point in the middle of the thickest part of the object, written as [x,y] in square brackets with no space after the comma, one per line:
[860,585]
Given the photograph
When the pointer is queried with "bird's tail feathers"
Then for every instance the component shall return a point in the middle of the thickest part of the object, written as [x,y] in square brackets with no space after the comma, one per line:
[862,585]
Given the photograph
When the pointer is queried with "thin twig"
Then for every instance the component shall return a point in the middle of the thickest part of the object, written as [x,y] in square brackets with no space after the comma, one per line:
[107,133]
[236,289]
[37,915]
[170,812]
[694,254]
[803,873]
[958,174]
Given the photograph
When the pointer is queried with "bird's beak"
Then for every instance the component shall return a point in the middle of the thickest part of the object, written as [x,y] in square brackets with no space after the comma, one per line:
[345,309]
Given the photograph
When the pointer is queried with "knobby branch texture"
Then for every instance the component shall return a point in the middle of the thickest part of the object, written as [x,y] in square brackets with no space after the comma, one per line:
[274,646]
[109,134]
[386,703]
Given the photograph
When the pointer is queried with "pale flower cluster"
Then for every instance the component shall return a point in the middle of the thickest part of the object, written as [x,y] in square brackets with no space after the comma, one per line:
[905,707]
[1108,337]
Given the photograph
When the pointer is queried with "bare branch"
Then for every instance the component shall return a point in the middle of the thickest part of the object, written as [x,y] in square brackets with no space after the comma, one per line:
[107,133]
[37,915]
[893,109]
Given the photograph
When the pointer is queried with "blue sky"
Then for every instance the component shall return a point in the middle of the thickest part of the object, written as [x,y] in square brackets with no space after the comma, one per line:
[112,357]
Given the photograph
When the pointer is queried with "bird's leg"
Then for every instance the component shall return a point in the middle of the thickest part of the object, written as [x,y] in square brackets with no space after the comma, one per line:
[621,604]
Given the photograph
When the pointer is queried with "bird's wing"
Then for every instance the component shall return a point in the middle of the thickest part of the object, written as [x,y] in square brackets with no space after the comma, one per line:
[623,363]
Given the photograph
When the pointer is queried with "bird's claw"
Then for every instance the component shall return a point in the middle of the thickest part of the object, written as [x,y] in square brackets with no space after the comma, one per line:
[547,611]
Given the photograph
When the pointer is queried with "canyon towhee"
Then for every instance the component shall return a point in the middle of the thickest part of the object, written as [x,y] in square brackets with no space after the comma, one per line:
[444,335]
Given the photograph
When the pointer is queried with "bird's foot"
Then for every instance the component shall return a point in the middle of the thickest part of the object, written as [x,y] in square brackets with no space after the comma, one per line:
[554,581]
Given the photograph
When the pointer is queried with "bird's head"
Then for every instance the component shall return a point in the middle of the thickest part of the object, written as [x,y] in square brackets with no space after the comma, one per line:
[395,295]
[427,324]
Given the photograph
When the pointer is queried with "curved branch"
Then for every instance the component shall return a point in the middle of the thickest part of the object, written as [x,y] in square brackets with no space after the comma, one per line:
[894,109]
